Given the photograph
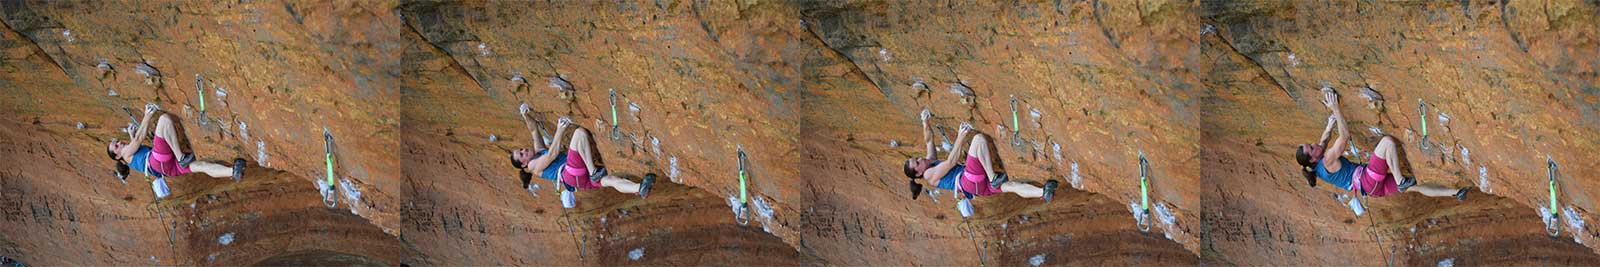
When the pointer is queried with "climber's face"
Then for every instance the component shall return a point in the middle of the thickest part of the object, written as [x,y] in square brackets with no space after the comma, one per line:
[522,155]
[1315,151]
[919,164]
[115,146]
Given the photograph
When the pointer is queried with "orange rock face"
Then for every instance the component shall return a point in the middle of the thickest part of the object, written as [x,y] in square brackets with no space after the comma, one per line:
[274,75]
[1515,80]
[779,131]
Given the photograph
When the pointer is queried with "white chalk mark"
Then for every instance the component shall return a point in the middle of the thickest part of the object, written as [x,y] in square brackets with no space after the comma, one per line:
[636,253]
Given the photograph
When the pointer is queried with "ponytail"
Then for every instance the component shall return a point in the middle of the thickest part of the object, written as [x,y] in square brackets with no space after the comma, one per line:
[1306,166]
[122,168]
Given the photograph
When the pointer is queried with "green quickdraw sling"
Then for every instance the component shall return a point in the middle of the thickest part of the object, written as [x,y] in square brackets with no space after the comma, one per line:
[1144,194]
[743,215]
[1553,225]
[328,196]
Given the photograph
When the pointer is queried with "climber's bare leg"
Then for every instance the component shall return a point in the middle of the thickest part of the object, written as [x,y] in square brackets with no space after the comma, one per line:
[621,185]
[1022,189]
[981,150]
[582,143]
[1387,150]
[166,130]
[211,169]
[1434,190]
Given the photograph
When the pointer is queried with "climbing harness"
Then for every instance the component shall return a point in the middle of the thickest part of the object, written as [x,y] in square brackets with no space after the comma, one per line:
[615,134]
[1144,194]
[1422,111]
[1552,224]
[199,90]
[743,214]
[328,194]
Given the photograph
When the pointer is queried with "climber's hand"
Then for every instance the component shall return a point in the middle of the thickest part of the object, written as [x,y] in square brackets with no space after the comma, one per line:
[1329,97]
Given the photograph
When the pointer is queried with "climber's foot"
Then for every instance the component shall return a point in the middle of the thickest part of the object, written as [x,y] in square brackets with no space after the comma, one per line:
[601,173]
[997,181]
[644,186]
[238,169]
[1461,195]
[187,158]
[1407,183]
[1050,189]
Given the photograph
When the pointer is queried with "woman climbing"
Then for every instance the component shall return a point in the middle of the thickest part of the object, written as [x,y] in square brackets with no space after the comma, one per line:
[578,167]
[165,158]
[980,174]
[1377,178]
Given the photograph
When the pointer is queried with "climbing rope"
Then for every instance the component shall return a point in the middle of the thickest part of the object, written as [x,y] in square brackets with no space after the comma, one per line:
[970,231]
[565,221]
[1376,236]
[1144,194]
[328,195]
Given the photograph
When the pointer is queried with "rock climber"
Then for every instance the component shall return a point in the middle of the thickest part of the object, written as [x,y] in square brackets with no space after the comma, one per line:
[578,167]
[165,158]
[1377,178]
[979,174]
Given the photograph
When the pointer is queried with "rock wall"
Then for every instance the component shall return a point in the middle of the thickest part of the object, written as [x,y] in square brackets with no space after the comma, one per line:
[275,74]
[686,100]
[1505,84]
[1095,83]
[823,97]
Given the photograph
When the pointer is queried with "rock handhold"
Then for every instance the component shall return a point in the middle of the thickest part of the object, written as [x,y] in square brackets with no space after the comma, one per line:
[563,87]
[517,82]
[1374,100]
[151,75]
[921,88]
[105,68]
[966,94]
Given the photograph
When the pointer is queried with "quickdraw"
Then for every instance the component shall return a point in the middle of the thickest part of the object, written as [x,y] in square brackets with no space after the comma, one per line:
[199,90]
[1016,124]
[1422,111]
[615,134]
[1552,225]
[743,214]
[328,196]
[1144,194]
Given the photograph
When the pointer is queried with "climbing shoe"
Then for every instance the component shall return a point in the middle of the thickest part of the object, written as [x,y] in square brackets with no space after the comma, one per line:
[644,186]
[1461,195]
[1050,189]
[187,158]
[997,181]
[601,173]
[238,169]
[1407,183]
[916,190]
